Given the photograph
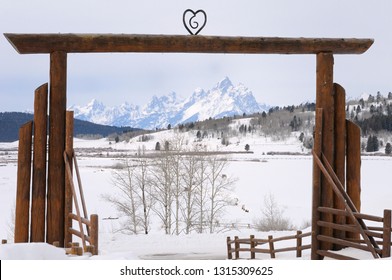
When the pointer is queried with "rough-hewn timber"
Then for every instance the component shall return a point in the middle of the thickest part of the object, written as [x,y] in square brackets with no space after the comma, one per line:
[89,43]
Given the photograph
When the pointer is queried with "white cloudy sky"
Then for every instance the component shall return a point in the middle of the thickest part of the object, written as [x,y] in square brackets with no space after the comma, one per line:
[115,78]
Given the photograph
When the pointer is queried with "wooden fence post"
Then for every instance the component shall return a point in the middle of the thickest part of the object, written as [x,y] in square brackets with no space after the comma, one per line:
[228,243]
[94,232]
[237,247]
[271,246]
[340,154]
[316,192]
[4,241]
[325,100]
[22,210]
[38,196]
[56,166]
[299,244]
[69,128]
[353,175]
[386,244]
[252,247]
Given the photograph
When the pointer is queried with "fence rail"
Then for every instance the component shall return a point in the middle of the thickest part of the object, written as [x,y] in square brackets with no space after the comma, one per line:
[252,243]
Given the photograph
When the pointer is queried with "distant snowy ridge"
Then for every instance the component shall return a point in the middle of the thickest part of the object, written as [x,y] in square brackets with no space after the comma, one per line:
[222,100]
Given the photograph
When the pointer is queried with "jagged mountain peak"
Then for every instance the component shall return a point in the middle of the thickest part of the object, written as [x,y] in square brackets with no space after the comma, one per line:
[224,99]
[224,85]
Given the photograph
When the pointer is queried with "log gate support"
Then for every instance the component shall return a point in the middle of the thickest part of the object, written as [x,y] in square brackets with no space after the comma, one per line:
[330,139]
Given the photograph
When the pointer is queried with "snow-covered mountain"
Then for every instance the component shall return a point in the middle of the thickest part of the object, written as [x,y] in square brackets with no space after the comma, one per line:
[224,99]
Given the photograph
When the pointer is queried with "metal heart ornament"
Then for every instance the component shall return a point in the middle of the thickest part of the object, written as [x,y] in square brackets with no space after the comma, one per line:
[194,22]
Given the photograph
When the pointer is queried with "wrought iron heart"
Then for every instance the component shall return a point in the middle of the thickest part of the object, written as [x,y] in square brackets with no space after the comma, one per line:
[194,22]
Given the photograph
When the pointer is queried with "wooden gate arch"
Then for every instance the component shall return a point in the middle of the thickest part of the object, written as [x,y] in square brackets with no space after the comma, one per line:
[330,138]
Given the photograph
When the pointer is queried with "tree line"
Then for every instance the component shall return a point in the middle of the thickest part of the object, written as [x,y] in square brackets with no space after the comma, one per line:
[186,193]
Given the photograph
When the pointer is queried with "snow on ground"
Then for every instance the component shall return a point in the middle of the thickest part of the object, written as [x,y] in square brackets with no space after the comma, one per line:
[287,178]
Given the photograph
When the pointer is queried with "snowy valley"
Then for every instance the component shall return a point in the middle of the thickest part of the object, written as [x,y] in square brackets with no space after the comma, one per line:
[263,166]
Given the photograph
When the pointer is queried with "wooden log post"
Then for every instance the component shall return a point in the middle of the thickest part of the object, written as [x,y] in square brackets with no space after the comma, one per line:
[236,247]
[340,154]
[316,193]
[271,246]
[56,166]
[38,196]
[386,243]
[353,176]
[4,241]
[229,252]
[94,232]
[252,247]
[69,129]
[325,100]
[22,211]
[299,244]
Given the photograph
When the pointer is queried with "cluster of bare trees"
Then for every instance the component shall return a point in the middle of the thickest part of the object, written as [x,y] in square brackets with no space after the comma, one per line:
[187,191]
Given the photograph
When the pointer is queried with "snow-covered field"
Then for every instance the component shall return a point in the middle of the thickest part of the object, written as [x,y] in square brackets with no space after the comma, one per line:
[286,177]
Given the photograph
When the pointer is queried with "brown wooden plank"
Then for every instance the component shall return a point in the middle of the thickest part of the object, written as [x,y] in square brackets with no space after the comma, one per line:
[353,176]
[386,245]
[356,214]
[299,244]
[88,43]
[22,210]
[340,152]
[344,243]
[56,168]
[334,255]
[38,197]
[94,232]
[69,129]
[325,100]
[316,192]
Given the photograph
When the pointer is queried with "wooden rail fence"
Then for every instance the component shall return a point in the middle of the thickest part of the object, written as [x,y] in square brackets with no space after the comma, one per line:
[89,235]
[252,244]
[380,234]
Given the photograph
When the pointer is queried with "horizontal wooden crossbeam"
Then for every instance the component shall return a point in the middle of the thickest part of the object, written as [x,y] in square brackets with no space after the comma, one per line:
[102,43]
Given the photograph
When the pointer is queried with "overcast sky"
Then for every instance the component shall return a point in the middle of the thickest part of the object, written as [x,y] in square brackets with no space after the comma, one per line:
[135,78]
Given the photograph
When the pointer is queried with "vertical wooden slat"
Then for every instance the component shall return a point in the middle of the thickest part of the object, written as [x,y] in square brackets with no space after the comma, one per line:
[38,197]
[22,210]
[252,246]
[69,128]
[316,193]
[271,246]
[340,153]
[299,244]
[325,100]
[237,247]
[229,252]
[94,232]
[386,245]
[353,176]
[56,167]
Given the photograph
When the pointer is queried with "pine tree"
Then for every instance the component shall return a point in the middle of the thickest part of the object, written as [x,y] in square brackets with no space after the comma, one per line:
[247,147]
[388,148]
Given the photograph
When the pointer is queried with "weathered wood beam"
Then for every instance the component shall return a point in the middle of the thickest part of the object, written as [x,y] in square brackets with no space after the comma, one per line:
[38,197]
[22,208]
[353,176]
[56,166]
[316,192]
[340,152]
[89,43]
[69,129]
[325,100]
